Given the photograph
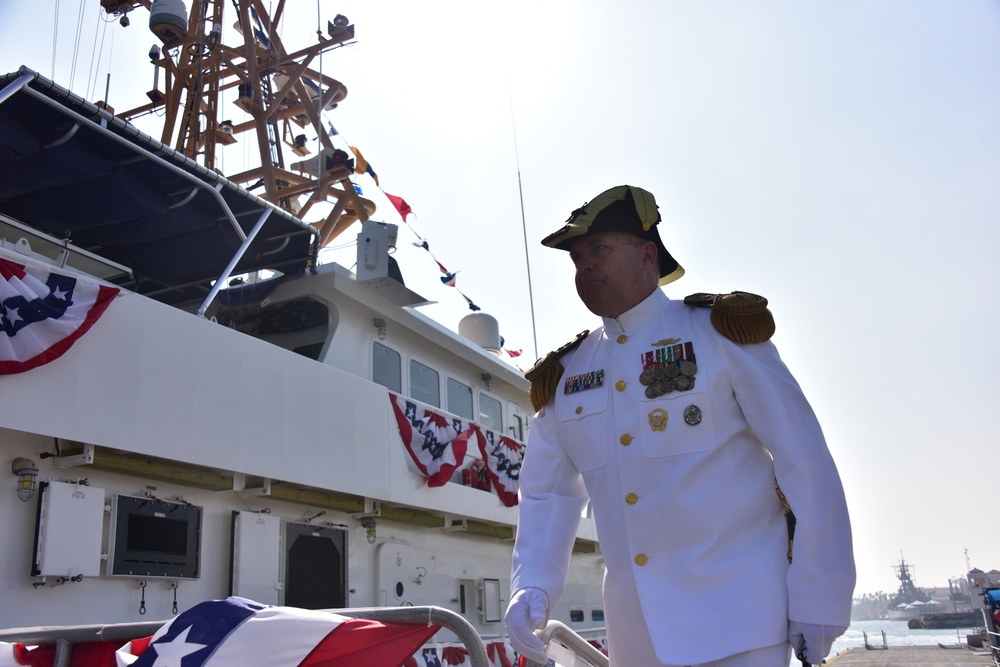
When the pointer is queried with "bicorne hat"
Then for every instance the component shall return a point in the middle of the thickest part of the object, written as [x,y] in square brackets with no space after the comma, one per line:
[624,208]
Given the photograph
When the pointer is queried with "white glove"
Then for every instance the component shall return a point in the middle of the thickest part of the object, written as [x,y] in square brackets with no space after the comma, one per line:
[528,611]
[811,642]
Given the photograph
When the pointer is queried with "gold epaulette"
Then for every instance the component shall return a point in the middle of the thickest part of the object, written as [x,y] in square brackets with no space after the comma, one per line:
[741,317]
[544,375]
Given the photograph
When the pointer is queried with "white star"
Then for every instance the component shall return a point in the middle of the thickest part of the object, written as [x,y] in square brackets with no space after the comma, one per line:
[12,315]
[169,654]
[59,293]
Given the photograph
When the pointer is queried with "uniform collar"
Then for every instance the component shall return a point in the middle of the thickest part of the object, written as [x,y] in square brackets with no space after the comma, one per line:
[639,315]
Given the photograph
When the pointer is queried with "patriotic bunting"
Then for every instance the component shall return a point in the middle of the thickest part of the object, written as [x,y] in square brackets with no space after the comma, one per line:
[498,655]
[438,444]
[455,656]
[430,658]
[236,631]
[115,654]
[43,312]
[503,458]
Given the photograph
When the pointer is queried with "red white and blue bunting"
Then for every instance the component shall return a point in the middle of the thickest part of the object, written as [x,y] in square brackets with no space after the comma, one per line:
[43,312]
[438,445]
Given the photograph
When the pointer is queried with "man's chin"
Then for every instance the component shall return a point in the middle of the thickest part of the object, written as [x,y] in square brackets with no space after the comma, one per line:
[595,305]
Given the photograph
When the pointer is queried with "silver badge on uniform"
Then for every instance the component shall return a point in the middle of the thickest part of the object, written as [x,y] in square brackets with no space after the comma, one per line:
[692,415]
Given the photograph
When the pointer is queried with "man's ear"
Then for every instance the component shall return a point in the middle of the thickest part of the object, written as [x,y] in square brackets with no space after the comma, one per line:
[651,256]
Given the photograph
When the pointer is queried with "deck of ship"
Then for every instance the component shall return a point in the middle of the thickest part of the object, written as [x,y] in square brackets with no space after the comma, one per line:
[913,656]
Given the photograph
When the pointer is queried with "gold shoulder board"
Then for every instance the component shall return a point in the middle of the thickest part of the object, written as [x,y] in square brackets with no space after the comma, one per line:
[544,375]
[741,317]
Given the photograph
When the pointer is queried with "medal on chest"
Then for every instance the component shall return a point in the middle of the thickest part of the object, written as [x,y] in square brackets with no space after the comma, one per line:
[670,366]
[584,381]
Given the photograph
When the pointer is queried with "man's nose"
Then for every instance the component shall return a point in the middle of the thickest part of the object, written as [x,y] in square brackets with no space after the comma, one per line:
[584,262]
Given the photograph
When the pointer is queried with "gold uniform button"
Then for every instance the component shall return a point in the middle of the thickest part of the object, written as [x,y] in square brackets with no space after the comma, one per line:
[620,385]
[579,409]
[626,439]
[641,559]
[622,338]
[631,499]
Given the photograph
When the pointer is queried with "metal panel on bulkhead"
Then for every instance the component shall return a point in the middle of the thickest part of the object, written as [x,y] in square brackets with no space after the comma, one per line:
[70,523]
[256,559]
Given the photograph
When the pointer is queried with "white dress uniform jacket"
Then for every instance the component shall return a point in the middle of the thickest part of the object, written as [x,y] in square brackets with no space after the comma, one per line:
[689,513]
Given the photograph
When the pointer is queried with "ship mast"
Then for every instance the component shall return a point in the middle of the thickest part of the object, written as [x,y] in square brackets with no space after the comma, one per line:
[277,89]
[908,591]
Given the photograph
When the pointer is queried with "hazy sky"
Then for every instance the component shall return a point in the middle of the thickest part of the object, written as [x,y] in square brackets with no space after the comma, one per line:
[840,157]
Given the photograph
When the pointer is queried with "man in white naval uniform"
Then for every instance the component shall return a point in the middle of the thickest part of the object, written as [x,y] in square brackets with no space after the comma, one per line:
[677,420]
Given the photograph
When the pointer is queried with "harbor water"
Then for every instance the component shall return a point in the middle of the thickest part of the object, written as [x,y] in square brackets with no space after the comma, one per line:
[896,634]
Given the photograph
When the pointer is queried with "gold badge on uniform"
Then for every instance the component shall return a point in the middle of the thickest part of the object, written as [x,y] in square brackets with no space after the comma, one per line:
[667,341]
[658,419]
[669,368]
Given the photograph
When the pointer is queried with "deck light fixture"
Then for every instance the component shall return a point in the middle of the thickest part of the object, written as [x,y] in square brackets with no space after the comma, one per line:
[26,475]
[488,381]
[368,523]
[380,326]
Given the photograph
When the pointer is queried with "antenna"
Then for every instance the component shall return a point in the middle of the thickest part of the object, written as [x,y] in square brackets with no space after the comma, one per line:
[524,226]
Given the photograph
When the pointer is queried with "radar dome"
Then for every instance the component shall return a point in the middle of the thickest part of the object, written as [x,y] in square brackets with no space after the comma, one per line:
[168,12]
[481,329]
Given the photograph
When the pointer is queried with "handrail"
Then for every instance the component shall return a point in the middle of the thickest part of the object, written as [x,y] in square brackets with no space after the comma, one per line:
[64,637]
[569,648]
[224,278]
[81,634]
[431,616]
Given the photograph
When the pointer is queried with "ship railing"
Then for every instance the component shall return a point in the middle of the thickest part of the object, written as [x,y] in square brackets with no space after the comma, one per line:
[64,638]
[994,640]
[871,646]
[567,648]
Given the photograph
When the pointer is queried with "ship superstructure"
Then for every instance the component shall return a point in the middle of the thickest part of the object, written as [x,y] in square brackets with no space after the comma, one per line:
[239,419]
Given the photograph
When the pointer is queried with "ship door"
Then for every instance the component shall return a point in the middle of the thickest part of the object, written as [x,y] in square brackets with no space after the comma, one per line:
[256,557]
[396,576]
[518,423]
[315,566]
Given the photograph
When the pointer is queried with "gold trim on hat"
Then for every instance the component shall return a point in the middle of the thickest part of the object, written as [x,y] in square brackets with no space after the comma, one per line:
[582,218]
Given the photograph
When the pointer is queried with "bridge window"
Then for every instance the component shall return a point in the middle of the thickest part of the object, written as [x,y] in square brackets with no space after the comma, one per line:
[490,413]
[459,398]
[425,386]
[386,368]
